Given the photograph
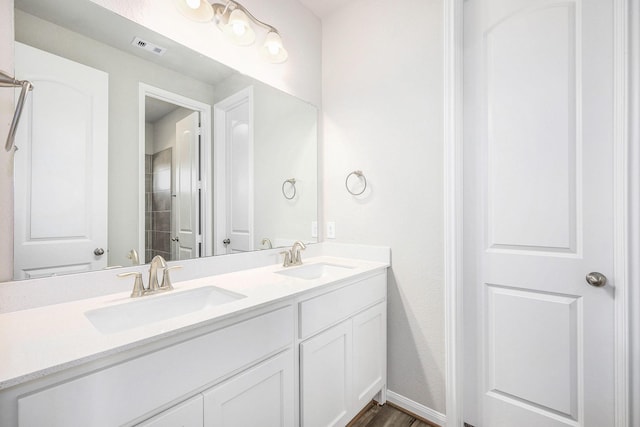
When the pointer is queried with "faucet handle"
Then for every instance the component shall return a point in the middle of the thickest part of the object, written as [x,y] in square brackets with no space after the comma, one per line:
[138,285]
[296,256]
[287,258]
[166,280]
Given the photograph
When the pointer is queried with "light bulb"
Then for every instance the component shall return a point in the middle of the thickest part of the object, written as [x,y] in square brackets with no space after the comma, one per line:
[273,49]
[196,10]
[239,28]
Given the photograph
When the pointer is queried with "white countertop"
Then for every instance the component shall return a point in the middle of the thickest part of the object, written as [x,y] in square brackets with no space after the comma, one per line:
[48,339]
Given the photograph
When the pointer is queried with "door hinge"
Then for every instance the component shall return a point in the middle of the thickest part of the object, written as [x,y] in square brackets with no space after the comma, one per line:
[199,130]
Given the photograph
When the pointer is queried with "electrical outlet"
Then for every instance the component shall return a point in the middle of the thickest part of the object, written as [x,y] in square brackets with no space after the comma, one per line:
[314,229]
[331,230]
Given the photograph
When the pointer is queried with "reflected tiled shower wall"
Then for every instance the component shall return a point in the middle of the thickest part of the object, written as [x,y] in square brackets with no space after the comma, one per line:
[158,204]
[148,226]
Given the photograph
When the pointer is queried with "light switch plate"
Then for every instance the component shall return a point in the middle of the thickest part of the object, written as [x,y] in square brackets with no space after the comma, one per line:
[331,230]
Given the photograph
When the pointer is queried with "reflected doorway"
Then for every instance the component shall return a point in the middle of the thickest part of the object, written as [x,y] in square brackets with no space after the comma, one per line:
[176,201]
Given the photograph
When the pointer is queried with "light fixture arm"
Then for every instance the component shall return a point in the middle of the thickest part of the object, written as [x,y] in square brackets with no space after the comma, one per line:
[222,9]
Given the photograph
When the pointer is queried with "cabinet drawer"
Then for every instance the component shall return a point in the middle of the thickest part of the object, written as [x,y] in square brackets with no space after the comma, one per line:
[327,309]
[124,392]
[185,414]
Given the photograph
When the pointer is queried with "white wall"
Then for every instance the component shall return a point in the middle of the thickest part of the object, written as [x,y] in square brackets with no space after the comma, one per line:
[6,159]
[285,134]
[382,75]
[164,130]
[299,28]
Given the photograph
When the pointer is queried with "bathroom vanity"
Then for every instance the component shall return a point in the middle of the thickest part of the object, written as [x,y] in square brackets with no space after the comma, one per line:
[268,346]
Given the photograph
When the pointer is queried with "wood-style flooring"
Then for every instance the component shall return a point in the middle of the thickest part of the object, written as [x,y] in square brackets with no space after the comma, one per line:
[387,416]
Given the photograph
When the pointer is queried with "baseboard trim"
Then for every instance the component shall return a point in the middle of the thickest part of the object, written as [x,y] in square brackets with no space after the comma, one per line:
[416,408]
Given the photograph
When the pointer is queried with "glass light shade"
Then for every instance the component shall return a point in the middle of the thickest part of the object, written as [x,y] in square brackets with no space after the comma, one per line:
[202,12]
[238,28]
[273,50]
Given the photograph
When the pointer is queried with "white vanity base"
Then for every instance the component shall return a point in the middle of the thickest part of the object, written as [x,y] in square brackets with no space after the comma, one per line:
[293,352]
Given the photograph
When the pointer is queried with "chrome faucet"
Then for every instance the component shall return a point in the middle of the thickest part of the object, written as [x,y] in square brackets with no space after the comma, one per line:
[292,256]
[296,257]
[156,262]
[286,262]
[139,289]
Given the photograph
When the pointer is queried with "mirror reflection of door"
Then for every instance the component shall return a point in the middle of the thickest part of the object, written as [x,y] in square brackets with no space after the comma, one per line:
[172,181]
[235,173]
[60,170]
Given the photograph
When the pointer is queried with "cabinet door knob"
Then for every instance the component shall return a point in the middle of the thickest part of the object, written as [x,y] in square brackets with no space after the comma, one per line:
[98,251]
[226,241]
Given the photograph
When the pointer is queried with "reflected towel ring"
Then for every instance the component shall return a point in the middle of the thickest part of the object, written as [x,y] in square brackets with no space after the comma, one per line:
[359,174]
[292,183]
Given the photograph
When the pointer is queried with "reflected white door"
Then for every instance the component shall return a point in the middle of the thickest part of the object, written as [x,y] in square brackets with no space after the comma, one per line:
[187,200]
[539,211]
[60,167]
[234,198]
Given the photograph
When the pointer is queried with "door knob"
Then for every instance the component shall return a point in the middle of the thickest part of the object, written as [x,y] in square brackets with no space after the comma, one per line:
[175,239]
[596,279]
[98,251]
[226,241]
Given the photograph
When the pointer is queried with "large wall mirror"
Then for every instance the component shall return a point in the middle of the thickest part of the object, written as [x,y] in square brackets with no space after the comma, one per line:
[132,146]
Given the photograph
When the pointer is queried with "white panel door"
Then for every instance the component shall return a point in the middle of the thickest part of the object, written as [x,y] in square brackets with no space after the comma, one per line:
[187,200]
[261,396]
[538,165]
[326,377]
[60,167]
[239,179]
[234,173]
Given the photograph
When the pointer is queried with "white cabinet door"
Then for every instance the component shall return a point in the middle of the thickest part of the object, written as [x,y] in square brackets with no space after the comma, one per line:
[325,377]
[369,354]
[185,414]
[261,396]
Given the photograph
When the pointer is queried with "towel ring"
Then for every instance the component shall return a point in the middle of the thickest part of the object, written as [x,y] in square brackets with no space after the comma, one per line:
[292,183]
[359,174]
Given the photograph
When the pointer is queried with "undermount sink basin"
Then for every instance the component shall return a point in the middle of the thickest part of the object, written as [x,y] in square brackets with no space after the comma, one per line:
[314,271]
[155,308]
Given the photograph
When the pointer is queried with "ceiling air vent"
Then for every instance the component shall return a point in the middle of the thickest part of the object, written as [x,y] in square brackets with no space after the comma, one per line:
[149,47]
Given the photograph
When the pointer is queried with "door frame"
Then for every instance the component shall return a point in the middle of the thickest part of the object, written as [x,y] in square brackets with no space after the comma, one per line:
[626,208]
[220,154]
[146,90]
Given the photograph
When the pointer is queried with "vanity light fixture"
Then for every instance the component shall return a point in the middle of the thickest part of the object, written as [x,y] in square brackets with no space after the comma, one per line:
[236,22]
[196,10]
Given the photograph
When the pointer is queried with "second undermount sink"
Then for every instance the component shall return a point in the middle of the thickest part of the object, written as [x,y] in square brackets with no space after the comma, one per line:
[146,310]
[314,271]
